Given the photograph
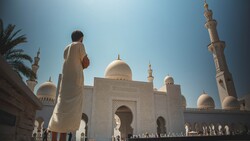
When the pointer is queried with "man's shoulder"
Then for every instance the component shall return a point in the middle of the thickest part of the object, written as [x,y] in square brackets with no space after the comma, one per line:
[67,47]
[76,44]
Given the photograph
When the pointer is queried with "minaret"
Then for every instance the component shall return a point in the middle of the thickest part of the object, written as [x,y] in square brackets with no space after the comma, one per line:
[118,58]
[224,78]
[50,79]
[32,81]
[150,71]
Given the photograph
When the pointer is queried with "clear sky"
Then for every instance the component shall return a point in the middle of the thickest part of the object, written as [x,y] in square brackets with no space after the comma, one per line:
[169,33]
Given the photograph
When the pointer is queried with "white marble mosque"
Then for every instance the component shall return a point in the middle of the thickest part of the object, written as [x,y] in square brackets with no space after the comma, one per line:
[118,105]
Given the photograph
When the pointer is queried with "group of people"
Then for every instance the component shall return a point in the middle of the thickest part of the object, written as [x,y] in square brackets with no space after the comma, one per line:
[156,135]
[144,135]
[46,133]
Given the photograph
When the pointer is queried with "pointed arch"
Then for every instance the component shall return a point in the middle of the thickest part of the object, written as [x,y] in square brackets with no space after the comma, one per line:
[161,125]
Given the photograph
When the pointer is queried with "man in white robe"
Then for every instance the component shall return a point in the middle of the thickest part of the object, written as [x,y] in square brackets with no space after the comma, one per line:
[67,113]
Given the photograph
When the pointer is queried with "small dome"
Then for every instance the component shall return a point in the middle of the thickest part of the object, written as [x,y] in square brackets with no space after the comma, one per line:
[169,80]
[205,101]
[118,70]
[183,101]
[47,90]
[230,103]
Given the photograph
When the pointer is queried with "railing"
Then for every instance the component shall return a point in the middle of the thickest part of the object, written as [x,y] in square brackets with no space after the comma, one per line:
[196,138]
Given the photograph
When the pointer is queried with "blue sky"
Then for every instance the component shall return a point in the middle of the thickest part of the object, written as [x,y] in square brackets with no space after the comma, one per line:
[169,33]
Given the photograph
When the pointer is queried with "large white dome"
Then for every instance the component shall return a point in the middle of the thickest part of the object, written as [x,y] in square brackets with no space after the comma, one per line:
[230,103]
[118,70]
[205,102]
[47,91]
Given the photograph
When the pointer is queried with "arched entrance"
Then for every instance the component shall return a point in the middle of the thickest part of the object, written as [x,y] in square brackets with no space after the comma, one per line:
[197,128]
[38,128]
[82,133]
[161,126]
[227,130]
[117,126]
[212,129]
[34,133]
[220,129]
[187,128]
[205,129]
[123,118]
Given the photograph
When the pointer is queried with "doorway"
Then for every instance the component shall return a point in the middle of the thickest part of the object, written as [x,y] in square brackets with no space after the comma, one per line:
[123,118]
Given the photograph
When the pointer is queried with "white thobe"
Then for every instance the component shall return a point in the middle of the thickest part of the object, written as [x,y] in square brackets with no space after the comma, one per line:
[67,113]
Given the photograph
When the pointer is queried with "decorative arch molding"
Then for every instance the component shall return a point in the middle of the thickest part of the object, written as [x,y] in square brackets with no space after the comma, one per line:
[85,119]
[39,130]
[188,125]
[131,105]
[39,120]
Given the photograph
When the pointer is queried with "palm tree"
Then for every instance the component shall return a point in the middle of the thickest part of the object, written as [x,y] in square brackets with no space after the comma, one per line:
[14,57]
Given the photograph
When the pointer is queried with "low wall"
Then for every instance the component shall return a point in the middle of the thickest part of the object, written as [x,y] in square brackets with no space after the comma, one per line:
[18,106]
[197,138]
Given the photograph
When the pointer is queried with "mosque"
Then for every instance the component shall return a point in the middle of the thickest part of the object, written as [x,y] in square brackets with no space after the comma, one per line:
[118,105]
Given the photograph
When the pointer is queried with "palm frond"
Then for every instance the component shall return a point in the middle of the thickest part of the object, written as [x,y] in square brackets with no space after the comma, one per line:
[14,34]
[17,54]
[21,56]
[9,52]
[14,51]
[21,68]
[1,28]
[15,57]
[7,32]
[4,47]
[10,28]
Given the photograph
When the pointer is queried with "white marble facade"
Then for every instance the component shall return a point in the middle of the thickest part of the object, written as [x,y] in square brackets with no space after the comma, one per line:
[142,109]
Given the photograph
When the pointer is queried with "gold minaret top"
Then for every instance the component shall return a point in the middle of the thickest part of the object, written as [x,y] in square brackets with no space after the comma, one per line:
[205,4]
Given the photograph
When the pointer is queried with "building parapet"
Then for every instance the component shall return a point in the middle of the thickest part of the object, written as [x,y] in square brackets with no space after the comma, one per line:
[196,110]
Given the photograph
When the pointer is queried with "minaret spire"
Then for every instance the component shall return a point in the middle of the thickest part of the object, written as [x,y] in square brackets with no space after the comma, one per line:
[38,53]
[150,72]
[118,58]
[224,78]
[32,81]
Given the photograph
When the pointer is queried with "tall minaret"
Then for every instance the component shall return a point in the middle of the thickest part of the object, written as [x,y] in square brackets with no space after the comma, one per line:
[150,71]
[32,81]
[224,78]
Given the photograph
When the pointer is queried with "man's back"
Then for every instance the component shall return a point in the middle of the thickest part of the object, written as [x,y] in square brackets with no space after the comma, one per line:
[73,55]
[72,67]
